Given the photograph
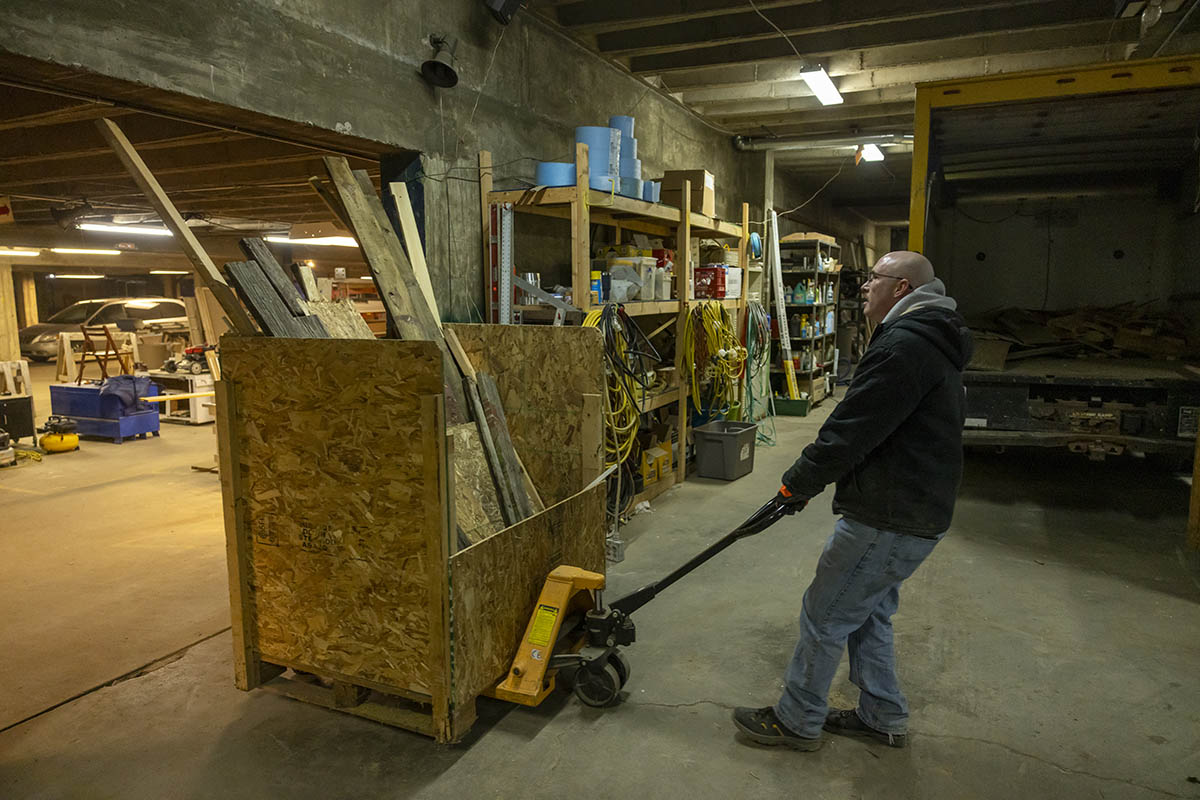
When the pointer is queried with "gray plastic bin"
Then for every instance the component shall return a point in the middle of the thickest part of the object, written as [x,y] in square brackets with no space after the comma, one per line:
[724,449]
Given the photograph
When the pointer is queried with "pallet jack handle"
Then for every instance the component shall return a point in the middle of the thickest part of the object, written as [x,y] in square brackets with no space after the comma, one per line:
[758,522]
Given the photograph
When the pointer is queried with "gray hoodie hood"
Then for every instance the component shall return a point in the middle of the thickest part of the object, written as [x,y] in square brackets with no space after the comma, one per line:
[928,295]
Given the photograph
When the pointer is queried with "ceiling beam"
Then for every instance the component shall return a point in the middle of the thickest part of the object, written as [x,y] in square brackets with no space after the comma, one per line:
[589,16]
[72,113]
[875,127]
[908,75]
[1050,13]
[804,102]
[1114,38]
[825,114]
[748,25]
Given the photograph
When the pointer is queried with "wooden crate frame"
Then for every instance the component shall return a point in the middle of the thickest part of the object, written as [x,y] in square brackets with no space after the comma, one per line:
[337,485]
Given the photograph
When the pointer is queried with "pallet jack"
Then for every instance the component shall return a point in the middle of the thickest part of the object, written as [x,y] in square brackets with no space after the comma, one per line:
[572,633]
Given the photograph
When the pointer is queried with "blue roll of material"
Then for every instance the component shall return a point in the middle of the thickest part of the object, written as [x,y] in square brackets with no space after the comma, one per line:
[651,191]
[604,149]
[628,148]
[623,124]
[755,245]
[631,187]
[554,173]
[631,168]
[602,183]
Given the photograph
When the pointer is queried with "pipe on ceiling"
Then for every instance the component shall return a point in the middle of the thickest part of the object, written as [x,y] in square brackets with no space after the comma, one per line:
[747,143]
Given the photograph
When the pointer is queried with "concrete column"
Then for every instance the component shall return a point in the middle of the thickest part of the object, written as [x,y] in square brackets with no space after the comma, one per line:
[29,306]
[10,349]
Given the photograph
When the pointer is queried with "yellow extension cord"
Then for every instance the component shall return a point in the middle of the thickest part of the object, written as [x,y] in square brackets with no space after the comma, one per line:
[722,360]
[621,411]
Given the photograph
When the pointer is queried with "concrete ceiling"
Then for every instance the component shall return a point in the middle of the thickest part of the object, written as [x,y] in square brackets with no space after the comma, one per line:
[727,61]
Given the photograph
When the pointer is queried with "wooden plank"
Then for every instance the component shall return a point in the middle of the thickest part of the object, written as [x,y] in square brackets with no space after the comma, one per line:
[1193,531]
[10,346]
[256,250]
[341,319]
[213,322]
[412,244]
[504,489]
[238,555]
[438,529]
[335,447]
[581,236]
[591,447]
[195,327]
[331,201]
[543,374]
[475,501]
[509,463]
[379,709]
[29,306]
[206,272]
[263,301]
[408,315]
[485,226]
[683,280]
[497,582]
[308,282]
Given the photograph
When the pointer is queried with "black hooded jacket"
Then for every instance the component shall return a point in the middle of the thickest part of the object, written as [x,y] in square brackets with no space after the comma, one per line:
[894,443]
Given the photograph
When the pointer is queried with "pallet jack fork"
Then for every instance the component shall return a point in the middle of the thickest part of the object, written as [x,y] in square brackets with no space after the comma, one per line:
[573,633]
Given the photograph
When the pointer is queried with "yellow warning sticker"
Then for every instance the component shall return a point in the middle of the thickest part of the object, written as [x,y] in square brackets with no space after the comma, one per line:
[543,626]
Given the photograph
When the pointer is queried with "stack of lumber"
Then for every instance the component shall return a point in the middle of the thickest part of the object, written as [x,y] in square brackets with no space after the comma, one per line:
[1123,331]
[492,489]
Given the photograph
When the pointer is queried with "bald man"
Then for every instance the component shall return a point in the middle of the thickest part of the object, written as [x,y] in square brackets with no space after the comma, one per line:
[893,445]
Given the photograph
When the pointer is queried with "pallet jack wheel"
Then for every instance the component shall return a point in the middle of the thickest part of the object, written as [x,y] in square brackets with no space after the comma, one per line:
[598,689]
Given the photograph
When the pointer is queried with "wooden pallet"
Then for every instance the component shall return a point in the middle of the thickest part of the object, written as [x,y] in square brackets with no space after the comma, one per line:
[409,711]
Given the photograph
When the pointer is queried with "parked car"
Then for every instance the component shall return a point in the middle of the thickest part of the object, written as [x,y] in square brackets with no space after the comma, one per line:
[40,342]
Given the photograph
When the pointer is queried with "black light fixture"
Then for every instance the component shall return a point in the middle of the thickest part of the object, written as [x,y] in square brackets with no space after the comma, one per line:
[503,10]
[439,71]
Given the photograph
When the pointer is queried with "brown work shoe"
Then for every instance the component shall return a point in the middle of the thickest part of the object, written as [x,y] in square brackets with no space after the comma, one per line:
[846,722]
[762,727]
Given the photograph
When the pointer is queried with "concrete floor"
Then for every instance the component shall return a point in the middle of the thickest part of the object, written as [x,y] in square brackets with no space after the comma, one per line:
[1048,648]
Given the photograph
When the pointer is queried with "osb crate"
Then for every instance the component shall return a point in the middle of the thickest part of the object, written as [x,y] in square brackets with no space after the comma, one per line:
[336,470]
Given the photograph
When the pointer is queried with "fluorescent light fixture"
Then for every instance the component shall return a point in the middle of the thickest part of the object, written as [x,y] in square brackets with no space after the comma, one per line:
[85,252]
[77,277]
[6,253]
[169,272]
[365,278]
[137,230]
[819,82]
[141,304]
[871,152]
[320,241]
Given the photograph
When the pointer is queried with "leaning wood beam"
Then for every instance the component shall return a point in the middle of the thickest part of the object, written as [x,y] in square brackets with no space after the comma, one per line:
[206,272]
[257,250]
[1194,510]
[330,200]
[412,243]
[409,316]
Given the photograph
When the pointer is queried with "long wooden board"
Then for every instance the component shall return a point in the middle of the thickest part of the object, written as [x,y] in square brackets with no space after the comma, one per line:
[409,316]
[205,270]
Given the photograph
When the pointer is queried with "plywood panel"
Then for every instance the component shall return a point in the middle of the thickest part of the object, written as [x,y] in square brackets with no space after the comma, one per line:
[495,585]
[543,374]
[475,501]
[338,444]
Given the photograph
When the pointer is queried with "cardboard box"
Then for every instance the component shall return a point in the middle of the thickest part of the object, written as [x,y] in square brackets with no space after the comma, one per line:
[704,192]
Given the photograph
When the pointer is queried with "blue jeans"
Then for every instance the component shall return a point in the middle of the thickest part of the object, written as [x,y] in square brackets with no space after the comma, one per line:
[851,600]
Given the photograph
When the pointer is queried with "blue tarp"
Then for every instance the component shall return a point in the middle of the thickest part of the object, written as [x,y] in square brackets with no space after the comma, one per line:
[127,389]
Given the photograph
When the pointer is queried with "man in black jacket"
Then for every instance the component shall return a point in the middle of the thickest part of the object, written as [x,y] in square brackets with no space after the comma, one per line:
[894,447]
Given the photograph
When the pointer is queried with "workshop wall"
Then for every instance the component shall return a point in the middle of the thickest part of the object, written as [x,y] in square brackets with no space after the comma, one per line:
[353,66]
[1057,255]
